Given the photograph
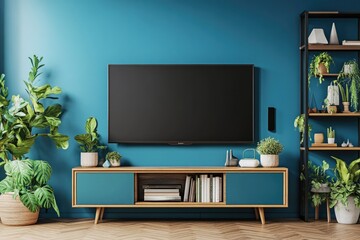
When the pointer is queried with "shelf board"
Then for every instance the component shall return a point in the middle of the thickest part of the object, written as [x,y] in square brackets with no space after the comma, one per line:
[332,148]
[331,14]
[323,47]
[352,114]
[330,75]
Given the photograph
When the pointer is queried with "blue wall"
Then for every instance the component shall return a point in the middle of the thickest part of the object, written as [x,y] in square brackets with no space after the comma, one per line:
[78,39]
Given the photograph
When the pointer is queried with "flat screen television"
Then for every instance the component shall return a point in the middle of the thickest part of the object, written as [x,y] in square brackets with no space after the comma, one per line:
[181,104]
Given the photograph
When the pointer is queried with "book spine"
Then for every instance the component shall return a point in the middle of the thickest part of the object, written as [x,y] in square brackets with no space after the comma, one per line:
[187,189]
[220,189]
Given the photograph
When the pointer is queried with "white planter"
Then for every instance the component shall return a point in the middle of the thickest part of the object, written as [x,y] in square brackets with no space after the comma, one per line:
[349,68]
[331,140]
[269,160]
[89,159]
[349,214]
[114,163]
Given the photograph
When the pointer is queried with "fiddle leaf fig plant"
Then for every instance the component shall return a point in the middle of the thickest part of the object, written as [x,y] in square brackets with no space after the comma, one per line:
[20,117]
[89,142]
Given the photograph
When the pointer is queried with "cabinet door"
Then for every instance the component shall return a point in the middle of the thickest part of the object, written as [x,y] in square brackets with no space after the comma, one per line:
[255,188]
[99,188]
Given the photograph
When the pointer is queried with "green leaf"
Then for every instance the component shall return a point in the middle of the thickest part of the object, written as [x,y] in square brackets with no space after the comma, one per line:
[39,122]
[53,121]
[42,170]
[61,141]
[7,185]
[90,126]
[21,171]
[53,111]
[29,200]
[45,196]
[39,108]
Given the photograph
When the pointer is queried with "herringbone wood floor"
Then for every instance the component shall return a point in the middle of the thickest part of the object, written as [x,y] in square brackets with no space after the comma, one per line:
[155,229]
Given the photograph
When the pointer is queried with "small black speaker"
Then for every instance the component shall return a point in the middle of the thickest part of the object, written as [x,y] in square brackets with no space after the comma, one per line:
[271,119]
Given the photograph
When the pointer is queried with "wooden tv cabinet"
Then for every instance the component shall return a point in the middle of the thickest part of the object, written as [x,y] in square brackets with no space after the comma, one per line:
[257,188]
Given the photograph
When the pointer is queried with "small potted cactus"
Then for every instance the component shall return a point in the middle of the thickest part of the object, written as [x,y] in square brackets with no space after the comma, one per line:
[331,135]
[114,158]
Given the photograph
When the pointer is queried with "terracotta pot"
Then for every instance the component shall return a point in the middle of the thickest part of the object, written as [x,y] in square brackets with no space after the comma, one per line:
[14,213]
[331,109]
[319,137]
[322,69]
[346,107]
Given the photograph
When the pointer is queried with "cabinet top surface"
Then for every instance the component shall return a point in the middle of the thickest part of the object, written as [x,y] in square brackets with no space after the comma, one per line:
[180,169]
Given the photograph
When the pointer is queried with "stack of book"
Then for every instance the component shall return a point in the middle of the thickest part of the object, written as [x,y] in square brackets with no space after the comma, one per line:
[203,188]
[162,192]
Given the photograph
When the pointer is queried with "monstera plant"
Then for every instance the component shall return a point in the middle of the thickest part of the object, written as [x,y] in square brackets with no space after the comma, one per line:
[22,121]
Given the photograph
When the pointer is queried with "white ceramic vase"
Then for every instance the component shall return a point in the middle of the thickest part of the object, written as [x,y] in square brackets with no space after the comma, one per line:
[331,140]
[349,214]
[269,160]
[89,159]
[114,163]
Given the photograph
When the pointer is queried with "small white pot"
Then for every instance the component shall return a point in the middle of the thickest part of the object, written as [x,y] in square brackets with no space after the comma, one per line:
[114,163]
[89,159]
[269,160]
[331,140]
[347,215]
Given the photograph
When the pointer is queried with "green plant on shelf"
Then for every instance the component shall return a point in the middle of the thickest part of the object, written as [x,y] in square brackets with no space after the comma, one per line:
[299,123]
[350,74]
[89,141]
[330,133]
[315,65]
[269,146]
[344,92]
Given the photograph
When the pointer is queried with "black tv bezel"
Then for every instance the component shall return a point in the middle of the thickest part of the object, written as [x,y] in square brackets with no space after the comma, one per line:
[184,143]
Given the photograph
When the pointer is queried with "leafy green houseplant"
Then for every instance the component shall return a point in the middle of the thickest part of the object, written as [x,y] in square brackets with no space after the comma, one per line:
[114,158]
[345,191]
[27,179]
[22,121]
[299,123]
[344,96]
[350,74]
[319,180]
[269,149]
[319,65]
[20,118]
[89,144]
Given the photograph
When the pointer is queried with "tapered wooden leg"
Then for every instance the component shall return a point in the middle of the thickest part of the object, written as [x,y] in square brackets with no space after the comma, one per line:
[328,210]
[262,215]
[97,214]
[102,214]
[317,212]
[256,213]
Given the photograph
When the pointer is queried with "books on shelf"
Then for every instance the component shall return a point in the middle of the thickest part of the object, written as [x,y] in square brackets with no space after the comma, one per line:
[203,188]
[162,192]
[347,42]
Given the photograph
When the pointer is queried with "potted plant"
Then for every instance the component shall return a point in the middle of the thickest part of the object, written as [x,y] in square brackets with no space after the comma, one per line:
[345,97]
[299,123]
[350,74]
[269,150]
[21,123]
[319,180]
[89,144]
[26,185]
[319,65]
[114,158]
[331,135]
[345,191]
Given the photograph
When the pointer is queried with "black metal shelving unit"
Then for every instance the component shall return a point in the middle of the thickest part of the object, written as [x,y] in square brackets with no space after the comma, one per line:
[305,48]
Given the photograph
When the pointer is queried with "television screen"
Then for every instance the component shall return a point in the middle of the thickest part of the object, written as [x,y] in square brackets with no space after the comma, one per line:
[181,104]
